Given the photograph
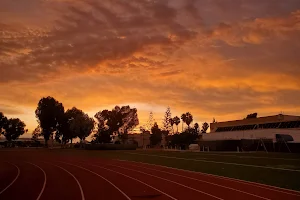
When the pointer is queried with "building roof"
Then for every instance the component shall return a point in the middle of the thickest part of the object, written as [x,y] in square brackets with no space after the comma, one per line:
[266,119]
[275,121]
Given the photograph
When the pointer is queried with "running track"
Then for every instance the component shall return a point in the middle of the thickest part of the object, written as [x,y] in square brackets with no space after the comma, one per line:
[38,176]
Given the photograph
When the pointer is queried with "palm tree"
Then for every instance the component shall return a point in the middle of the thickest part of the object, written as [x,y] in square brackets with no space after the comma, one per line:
[189,119]
[205,126]
[176,121]
[171,123]
[183,117]
[196,127]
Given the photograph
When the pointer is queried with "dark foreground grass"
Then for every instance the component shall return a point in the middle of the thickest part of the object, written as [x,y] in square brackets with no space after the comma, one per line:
[282,170]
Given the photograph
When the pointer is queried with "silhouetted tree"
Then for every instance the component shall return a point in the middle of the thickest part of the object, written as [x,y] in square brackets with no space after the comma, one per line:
[119,120]
[176,121]
[156,136]
[144,132]
[150,122]
[63,133]
[172,124]
[187,118]
[214,120]
[183,118]
[205,126]
[49,113]
[196,128]
[102,134]
[188,137]
[3,121]
[13,129]
[80,124]
[184,139]
[166,121]
[252,115]
[37,132]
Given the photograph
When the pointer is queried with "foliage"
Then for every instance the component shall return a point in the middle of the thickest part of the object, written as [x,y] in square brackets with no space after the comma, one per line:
[167,121]
[74,123]
[102,134]
[176,121]
[187,118]
[205,126]
[80,124]
[172,124]
[13,129]
[63,133]
[150,122]
[119,120]
[37,132]
[50,114]
[188,136]
[252,115]
[3,121]
[196,128]
[185,138]
[183,118]
[156,136]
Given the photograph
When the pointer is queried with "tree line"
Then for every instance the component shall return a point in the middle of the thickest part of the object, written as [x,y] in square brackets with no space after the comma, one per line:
[65,126]
[184,138]
[54,122]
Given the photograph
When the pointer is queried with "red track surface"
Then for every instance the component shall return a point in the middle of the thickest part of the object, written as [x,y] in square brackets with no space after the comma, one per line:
[33,176]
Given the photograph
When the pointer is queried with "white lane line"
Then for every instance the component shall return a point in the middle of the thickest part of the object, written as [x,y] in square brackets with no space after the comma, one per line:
[218,162]
[45,179]
[259,185]
[135,180]
[169,181]
[230,188]
[81,190]
[127,197]
[18,174]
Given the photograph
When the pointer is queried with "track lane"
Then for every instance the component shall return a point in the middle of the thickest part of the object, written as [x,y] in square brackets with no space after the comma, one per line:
[74,177]
[9,173]
[108,181]
[135,188]
[93,186]
[60,184]
[45,180]
[28,185]
[249,187]
[222,190]
[177,190]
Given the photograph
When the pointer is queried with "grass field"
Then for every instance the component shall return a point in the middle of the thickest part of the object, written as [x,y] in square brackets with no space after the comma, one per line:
[282,170]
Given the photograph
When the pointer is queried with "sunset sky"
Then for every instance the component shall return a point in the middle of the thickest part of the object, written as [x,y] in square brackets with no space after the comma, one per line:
[213,58]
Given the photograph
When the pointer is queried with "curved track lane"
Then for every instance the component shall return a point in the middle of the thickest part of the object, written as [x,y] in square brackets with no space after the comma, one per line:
[7,177]
[135,188]
[27,186]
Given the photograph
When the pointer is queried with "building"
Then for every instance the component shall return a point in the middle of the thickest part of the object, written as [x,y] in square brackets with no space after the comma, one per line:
[255,128]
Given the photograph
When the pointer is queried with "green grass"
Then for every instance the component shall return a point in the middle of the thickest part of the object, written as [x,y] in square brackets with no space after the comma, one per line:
[256,167]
